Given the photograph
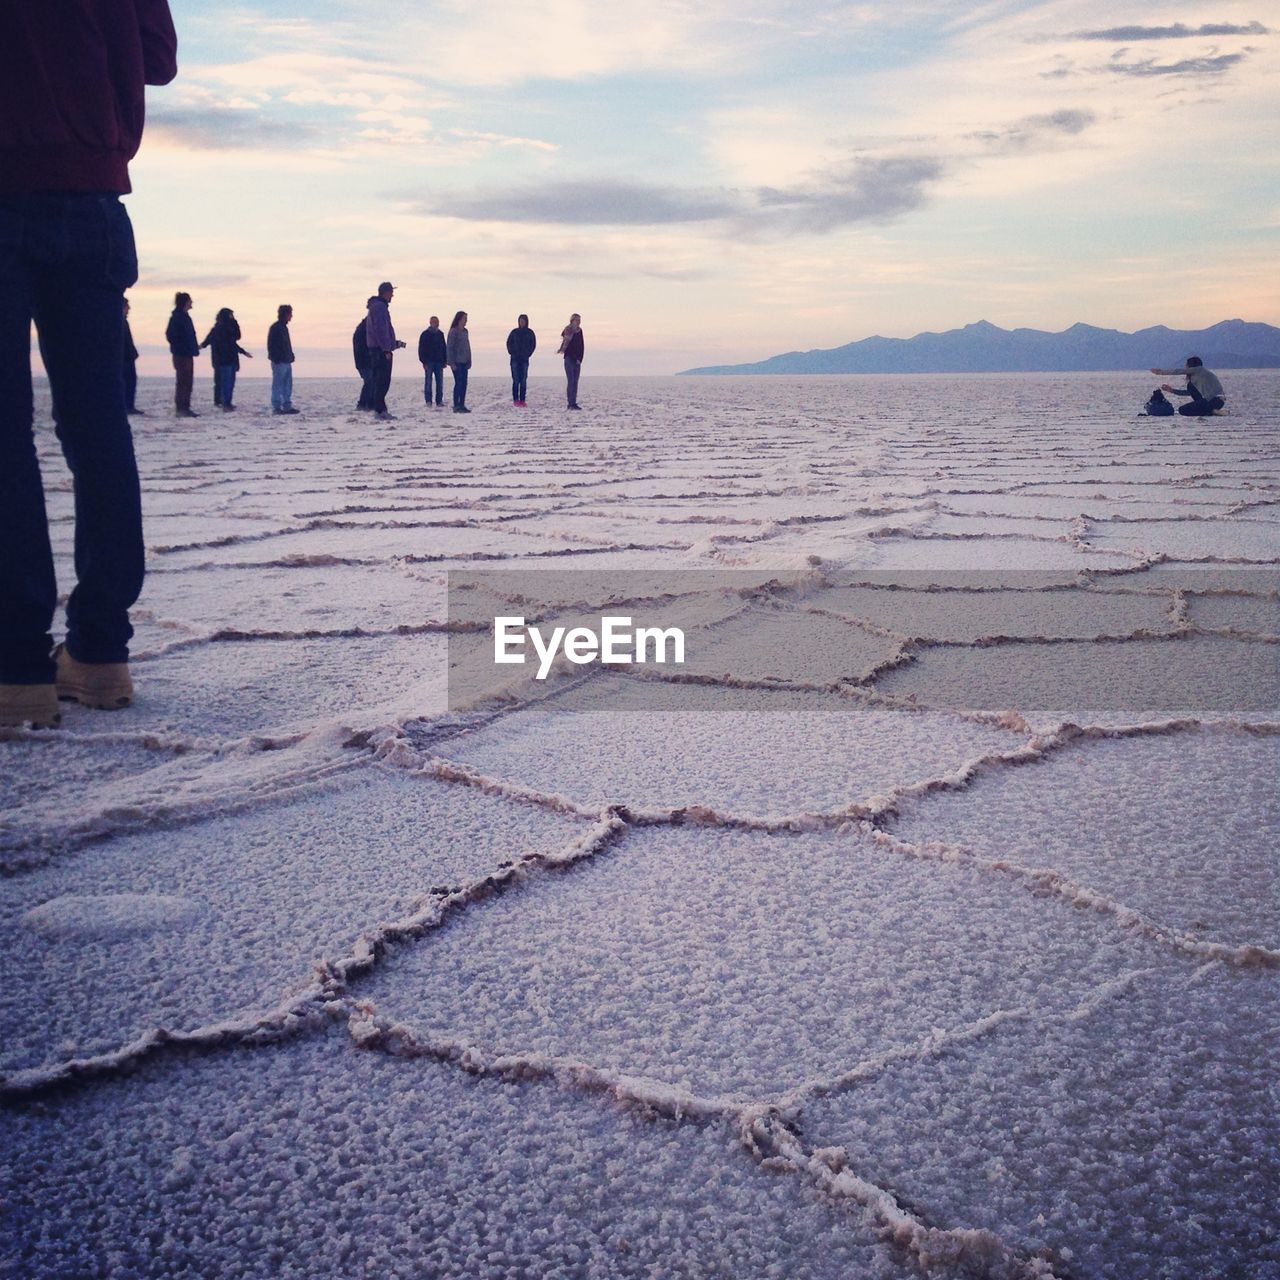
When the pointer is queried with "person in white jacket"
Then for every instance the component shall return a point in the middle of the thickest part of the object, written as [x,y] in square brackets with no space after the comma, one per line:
[458,357]
[1203,388]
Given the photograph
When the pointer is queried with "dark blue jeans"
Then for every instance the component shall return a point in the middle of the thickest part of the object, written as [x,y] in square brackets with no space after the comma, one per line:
[224,384]
[519,377]
[65,262]
[379,379]
[460,385]
[434,371]
[1199,406]
[572,370]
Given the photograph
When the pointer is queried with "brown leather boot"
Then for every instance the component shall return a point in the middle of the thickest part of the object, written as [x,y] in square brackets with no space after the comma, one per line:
[33,704]
[104,685]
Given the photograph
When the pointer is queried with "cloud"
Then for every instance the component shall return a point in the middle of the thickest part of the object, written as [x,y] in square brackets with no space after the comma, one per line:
[220,128]
[1214,65]
[601,202]
[190,280]
[870,190]
[1179,31]
[1035,130]
[502,140]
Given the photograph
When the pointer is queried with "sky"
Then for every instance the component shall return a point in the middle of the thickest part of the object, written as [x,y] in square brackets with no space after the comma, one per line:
[712,182]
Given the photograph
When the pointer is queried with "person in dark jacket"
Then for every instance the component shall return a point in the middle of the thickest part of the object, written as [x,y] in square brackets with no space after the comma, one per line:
[432,349]
[72,79]
[129,367]
[380,334]
[183,347]
[573,348]
[280,353]
[223,341]
[360,353]
[522,342]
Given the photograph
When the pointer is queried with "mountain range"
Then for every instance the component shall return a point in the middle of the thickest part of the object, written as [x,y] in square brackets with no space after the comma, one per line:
[986,348]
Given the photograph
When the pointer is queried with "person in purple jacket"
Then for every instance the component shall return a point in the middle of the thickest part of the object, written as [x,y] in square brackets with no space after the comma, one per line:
[72,79]
[380,336]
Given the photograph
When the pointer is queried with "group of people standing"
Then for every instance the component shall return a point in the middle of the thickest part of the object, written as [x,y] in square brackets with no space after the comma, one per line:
[374,344]
[223,341]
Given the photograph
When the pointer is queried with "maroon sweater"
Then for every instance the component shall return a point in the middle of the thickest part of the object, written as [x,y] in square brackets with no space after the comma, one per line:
[71,89]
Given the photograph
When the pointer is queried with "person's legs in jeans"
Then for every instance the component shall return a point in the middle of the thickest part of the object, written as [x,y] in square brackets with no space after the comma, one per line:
[436,370]
[519,379]
[460,386]
[28,594]
[288,386]
[572,368]
[426,383]
[228,386]
[381,380]
[79,251]
[278,399]
[1199,406]
[184,376]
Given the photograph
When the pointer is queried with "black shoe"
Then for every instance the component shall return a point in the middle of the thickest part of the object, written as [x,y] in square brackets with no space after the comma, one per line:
[462,408]
[185,413]
[574,406]
[134,412]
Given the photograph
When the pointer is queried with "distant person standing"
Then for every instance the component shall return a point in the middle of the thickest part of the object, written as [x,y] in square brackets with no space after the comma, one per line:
[280,353]
[380,334]
[183,347]
[1202,386]
[364,362]
[223,341]
[433,352]
[522,342]
[129,367]
[458,353]
[71,108]
[572,347]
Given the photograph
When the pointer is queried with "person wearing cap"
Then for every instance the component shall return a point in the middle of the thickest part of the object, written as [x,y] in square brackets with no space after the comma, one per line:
[380,336]
[573,348]
[72,97]
[1203,388]
[522,342]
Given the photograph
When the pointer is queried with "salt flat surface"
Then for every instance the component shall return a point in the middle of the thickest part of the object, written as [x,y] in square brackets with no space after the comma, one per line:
[923,927]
